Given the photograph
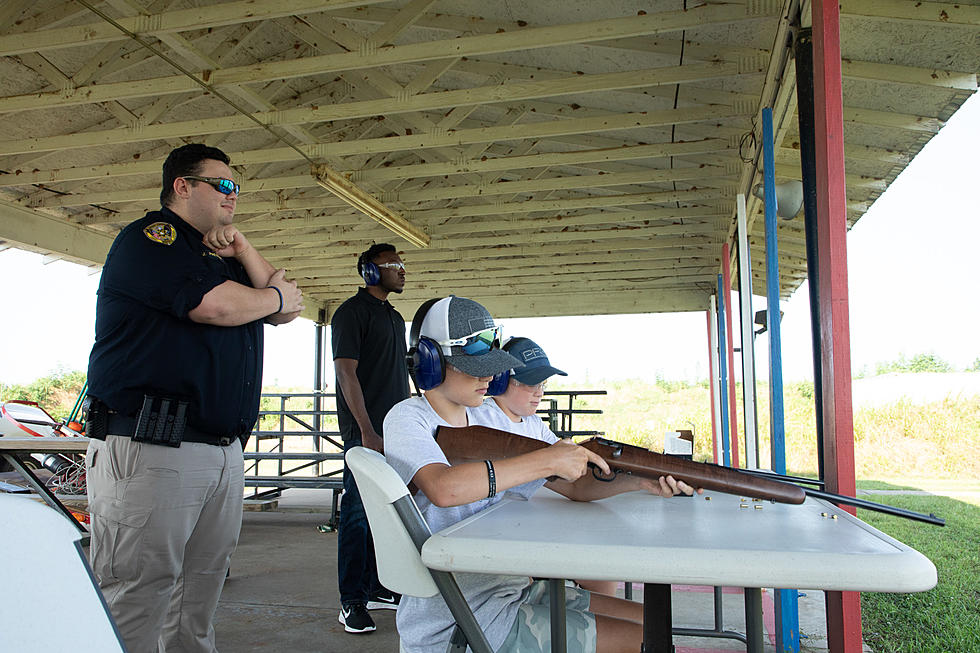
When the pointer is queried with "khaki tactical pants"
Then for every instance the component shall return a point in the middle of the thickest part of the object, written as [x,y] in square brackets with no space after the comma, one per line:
[165,522]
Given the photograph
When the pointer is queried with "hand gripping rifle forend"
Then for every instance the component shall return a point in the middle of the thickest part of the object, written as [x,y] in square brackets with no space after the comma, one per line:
[478,443]
[634,460]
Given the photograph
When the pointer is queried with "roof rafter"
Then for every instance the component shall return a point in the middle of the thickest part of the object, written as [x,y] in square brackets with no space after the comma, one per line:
[371,57]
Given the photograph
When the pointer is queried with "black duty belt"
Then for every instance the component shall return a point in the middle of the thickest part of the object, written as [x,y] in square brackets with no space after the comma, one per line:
[124,425]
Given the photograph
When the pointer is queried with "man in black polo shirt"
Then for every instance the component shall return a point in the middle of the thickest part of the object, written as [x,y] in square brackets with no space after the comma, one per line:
[369,350]
[174,380]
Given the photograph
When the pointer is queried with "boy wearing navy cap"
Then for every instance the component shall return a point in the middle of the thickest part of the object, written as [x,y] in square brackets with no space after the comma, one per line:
[516,395]
[455,353]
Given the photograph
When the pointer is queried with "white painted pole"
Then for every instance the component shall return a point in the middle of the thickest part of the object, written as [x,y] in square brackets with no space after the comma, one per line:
[748,338]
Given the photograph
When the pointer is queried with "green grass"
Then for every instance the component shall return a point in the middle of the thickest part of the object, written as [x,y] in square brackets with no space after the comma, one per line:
[918,443]
[945,619]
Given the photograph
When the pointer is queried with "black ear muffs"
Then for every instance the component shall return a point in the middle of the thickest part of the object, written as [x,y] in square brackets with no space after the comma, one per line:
[426,365]
[498,384]
[370,273]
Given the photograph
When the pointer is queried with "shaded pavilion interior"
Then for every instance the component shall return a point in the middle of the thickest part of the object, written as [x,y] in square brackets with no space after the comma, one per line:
[546,158]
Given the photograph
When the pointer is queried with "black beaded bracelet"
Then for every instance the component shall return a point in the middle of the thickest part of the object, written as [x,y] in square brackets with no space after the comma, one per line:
[278,292]
[492,479]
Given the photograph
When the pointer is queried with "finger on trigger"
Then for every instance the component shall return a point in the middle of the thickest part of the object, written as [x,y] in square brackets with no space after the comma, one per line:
[598,460]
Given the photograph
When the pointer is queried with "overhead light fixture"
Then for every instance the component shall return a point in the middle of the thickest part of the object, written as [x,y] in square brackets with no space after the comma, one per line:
[789,198]
[367,204]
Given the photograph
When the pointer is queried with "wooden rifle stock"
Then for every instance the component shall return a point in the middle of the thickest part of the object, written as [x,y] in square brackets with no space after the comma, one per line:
[478,443]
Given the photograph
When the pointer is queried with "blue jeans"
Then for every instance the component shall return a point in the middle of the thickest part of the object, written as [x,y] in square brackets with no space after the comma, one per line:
[357,571]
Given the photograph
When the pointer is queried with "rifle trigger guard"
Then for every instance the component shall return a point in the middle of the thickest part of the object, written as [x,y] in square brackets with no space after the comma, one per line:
[597,475]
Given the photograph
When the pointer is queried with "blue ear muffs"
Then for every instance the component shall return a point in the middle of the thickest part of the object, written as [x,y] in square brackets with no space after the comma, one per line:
[430,366]
[498,384]
[426,365]
[371,274]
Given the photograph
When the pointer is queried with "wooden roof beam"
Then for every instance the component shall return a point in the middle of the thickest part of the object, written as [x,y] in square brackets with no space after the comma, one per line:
[941,14]
[439,261]
[443,251]
[428,101]
[263,226]
[341,273]
[882,72]
[745,56]
[168,22]
[530,38]
[567,204]
[52,234]
[415,142]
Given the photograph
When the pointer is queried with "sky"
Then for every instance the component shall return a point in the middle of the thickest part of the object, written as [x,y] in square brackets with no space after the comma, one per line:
[911,266]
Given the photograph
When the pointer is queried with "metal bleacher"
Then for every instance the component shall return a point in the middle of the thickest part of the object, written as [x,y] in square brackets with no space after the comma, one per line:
[277,458]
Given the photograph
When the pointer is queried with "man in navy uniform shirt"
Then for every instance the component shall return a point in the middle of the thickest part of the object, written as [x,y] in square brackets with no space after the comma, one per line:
[369,348]
[174,380]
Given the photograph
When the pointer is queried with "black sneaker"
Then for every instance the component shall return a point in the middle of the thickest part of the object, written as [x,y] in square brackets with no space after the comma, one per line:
[384,600]
[356,619]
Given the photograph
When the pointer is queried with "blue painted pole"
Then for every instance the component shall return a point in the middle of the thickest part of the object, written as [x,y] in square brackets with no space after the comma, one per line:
[723,375]
[787,601]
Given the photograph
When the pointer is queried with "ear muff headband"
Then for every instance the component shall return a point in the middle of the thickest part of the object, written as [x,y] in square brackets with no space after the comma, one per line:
[498,384]
[370,273]
[426,365]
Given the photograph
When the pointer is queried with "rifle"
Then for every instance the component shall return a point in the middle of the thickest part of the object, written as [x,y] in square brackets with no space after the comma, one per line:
[477,443]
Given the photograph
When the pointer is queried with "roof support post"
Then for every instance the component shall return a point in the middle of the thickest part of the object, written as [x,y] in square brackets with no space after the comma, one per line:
[749,414]
[786,605]
[723,375]
[726,272]
[804,104]
[713,378]
[843,608]
[319,339]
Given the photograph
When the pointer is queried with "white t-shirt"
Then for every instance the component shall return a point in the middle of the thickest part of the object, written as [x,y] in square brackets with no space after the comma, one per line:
[490,414]
[425,624]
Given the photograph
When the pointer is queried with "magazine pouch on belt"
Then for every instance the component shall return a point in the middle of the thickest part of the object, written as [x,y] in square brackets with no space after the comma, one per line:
[96,418]
[161,420]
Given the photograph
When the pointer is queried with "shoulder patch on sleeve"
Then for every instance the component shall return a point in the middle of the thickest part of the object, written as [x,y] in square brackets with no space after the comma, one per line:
[161,232]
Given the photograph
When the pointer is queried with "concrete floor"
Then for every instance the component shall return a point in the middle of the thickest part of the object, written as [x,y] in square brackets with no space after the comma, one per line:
[282,593]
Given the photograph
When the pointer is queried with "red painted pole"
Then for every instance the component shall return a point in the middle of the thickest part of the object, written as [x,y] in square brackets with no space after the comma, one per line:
[726,279]
[711,387]
[843,608]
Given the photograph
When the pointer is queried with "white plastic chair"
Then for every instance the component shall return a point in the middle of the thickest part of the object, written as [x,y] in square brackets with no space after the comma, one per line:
[399,531]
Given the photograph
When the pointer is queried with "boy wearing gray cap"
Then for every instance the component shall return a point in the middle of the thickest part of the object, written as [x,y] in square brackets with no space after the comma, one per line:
[454,354]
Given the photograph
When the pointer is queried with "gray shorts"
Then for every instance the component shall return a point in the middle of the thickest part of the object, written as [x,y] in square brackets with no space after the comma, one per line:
[531,632]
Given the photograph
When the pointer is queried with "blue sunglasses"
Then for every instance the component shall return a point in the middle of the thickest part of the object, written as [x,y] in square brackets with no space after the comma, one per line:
[477,343]
[220,184]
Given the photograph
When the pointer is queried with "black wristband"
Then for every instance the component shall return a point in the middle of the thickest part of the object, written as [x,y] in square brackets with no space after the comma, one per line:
[278,292]
[491,480]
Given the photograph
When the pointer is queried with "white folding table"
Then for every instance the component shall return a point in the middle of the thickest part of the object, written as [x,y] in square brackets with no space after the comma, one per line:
[12,448]
[715,540]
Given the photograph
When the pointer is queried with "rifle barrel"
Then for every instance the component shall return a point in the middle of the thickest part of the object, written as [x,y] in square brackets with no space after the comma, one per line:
[765,473]
[846,500]
[877,507]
